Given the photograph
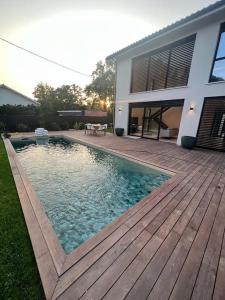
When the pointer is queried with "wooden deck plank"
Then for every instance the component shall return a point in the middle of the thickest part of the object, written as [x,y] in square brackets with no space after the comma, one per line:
[219,290]
[136,266]
[186,280]
[172,269]
[206,278]
[150,274]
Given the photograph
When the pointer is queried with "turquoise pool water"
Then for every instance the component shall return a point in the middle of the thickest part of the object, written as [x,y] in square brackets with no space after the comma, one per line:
[82,189]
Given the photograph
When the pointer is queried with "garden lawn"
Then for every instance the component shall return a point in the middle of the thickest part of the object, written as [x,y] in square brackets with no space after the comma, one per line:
[19,277]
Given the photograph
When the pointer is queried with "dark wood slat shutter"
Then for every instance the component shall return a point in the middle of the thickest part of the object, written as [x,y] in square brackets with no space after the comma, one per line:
[158,70]
[180,64]
[139,74]
[207,136]
[163,68]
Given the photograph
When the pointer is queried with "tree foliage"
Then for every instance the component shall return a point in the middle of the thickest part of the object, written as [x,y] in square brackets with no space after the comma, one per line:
[66,97]
[98,94]
[100,91]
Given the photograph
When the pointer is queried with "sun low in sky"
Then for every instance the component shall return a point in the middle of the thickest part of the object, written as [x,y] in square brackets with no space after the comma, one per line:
[77,37]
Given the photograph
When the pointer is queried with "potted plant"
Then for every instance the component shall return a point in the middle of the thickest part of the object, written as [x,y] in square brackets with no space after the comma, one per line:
[188,142]
[119,131]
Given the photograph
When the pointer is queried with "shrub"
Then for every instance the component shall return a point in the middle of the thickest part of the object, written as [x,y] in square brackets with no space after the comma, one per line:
[76,126]
[2,127]
[79,126]
[22,127]
[42,123]
[65,125]
[54,126]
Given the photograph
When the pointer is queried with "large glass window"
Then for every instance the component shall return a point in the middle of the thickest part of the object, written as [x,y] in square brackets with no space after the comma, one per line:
[218,70]
[163,68]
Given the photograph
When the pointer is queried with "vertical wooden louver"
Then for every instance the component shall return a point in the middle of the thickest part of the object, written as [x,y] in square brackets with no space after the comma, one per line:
[158,70]
[211,131]
[163,68]
[140,71]
[180,63]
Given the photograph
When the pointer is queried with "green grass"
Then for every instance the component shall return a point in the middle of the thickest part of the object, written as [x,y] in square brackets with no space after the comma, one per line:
[19,277]
[110,130]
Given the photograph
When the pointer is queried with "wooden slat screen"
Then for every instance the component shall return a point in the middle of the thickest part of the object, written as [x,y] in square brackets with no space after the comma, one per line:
[210,122]
[163,68]
[158,70]
[180,63]
[140,70]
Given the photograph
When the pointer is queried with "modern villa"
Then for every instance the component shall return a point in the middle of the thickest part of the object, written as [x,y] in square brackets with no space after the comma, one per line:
[172,82]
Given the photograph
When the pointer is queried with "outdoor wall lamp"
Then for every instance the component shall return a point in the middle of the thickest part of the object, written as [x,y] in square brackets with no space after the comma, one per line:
[120,109]
[191,107]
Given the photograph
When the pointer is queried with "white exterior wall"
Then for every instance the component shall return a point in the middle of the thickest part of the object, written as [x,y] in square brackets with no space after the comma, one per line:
[9,97]
[198,87]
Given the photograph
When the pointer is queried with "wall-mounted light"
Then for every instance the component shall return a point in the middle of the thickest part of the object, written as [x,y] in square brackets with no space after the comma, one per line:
[120,109]
[191,107]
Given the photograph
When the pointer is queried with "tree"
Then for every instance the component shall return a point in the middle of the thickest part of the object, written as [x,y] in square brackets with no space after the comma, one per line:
[70,97]
[66,97]
[45,96]
[100,91]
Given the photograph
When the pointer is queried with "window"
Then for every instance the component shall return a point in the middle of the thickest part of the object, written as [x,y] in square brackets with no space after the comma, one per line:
[163,68]
[218,70]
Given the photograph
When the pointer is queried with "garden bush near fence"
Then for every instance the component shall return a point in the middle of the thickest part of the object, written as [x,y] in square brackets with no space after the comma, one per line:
[19,119]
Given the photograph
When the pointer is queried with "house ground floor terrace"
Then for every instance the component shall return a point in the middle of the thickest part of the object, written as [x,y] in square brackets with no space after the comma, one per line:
[170,245]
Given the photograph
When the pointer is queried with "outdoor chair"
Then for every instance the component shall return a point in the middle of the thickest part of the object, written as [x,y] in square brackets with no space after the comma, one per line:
[101,129]
[105,128]
[88,128]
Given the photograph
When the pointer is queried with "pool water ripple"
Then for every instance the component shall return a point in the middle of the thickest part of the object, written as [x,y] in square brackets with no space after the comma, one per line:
[83,189]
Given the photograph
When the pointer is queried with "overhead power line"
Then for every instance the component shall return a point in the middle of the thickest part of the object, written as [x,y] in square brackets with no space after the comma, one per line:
[44,58]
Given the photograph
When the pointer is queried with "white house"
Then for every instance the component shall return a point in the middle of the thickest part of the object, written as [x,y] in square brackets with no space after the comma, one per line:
[12,97]
[172,83]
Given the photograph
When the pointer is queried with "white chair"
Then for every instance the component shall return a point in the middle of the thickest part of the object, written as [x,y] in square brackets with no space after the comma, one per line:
[101,129]
[105,128]
[88,128]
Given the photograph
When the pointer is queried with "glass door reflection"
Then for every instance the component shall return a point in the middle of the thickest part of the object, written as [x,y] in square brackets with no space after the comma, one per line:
[151,122]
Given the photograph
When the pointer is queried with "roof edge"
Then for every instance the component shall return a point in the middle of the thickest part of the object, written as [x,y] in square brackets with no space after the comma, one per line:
[16,92]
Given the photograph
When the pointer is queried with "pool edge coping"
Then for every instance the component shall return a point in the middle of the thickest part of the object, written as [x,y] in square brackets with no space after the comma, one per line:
[61,262]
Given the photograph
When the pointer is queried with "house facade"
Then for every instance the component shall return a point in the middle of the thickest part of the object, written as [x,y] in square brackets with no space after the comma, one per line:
[172,83]
[12,97]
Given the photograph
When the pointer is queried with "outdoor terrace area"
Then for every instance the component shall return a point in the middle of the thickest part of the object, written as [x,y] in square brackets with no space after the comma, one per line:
[171,245]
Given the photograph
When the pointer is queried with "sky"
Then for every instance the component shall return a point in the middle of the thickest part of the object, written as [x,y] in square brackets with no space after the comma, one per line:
[76,33]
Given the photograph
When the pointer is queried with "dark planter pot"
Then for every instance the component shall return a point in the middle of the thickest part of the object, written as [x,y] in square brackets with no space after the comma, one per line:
[188,142]
[119,131]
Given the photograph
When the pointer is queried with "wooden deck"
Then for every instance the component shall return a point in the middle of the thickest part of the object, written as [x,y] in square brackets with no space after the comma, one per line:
[171,245]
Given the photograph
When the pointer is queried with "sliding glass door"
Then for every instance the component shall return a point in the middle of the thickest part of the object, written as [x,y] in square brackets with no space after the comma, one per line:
[155,119]
[151,122]
[145,122]
[136,121]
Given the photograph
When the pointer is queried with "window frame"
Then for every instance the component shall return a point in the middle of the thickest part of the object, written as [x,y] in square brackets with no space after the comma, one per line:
[222,29]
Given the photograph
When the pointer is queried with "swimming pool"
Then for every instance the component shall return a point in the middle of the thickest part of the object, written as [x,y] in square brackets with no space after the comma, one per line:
[82,189]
